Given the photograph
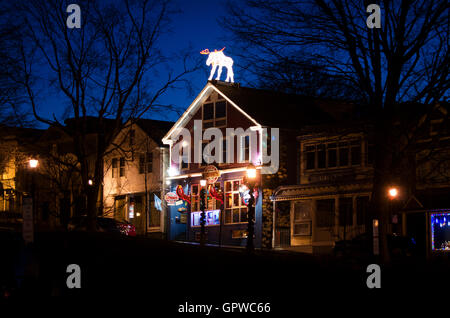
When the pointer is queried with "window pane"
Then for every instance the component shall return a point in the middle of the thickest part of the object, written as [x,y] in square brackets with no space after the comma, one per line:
[195,219]
[332,158]
[221,109]
[345,211]
[208,124]
[194,189]
[356,155]
[229,200]
[343,157]
[244,215]
[114,163]
[236,185]
[301,211]
[321,158]
[227,216]
[222,122]
[235,215]
[228,186]
[236,198]
[208,111]
[310,156]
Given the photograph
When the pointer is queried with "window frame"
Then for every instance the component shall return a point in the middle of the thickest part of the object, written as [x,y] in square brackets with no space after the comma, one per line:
[215,119]
[241,205]
[338,147]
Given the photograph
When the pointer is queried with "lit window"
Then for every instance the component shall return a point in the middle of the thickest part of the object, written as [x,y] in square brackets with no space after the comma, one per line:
[122,167]
[235,209]
[146,162]
[114,168]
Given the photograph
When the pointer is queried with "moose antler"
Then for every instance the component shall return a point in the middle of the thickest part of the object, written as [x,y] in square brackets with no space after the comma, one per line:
[205,51]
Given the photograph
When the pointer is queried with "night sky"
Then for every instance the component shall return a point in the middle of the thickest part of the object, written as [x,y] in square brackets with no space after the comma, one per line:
[194,28]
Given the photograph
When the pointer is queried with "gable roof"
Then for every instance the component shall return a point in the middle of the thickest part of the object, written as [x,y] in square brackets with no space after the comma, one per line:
[267,108]
[155,129]
[276,109]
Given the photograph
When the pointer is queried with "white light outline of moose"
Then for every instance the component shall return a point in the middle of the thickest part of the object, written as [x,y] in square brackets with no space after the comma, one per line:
[217,58]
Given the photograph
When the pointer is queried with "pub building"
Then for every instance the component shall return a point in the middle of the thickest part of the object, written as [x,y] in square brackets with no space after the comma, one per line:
[224,105]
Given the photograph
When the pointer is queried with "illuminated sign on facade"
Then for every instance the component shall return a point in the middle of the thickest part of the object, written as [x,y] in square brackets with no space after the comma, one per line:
[440,231]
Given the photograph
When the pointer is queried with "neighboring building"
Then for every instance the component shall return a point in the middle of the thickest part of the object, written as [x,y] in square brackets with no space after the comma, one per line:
[61,195]
[426,213]
[230,106]
[331,199]
[16,176]
[134,170]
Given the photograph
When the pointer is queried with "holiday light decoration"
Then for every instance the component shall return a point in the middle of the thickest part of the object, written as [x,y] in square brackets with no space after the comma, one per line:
[218,59]
[184,197]
[215,194]
[244,192]
[440,231]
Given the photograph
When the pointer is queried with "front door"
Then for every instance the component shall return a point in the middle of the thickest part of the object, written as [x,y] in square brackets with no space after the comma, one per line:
[282,224]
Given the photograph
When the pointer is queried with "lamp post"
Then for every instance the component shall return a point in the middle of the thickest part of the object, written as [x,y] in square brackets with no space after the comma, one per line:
[393,194]
[33,164]
[250,182]
[202,208]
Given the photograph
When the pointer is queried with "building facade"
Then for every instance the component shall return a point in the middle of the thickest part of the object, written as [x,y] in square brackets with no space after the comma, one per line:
[249,130]
[134,170]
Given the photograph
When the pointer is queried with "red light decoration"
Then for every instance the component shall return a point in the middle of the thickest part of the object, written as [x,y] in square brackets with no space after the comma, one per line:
[215,195]
[183,196]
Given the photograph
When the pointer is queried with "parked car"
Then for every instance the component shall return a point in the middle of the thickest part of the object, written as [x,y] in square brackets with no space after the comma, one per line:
[363,245]
[79,223]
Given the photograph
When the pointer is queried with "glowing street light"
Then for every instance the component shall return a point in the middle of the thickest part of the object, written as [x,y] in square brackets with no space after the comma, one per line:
[393,193]
[172,171]
[251,171]
[90,182]
[33,163]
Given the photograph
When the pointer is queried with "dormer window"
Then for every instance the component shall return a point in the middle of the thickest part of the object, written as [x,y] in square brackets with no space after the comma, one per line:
[215,114]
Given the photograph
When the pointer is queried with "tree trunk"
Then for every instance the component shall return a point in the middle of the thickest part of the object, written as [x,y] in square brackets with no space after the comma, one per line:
[381,180]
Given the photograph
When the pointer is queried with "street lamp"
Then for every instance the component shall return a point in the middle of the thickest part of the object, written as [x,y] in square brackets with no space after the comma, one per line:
[393,193]
[33,163]
[203,214]
[250,182]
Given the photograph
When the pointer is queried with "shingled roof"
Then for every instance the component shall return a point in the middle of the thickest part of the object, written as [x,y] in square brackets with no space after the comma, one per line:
[276,109]
[156,129]
[271,108]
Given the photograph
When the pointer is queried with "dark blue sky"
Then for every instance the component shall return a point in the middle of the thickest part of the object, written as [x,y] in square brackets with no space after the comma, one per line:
[195,27]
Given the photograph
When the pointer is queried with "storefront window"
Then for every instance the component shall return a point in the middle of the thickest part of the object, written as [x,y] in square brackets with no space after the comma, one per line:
[440,231]
[235,209]
[212,218]
[212,207]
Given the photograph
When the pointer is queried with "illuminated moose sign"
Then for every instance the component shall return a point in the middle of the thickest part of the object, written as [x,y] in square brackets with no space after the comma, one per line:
[218,59]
